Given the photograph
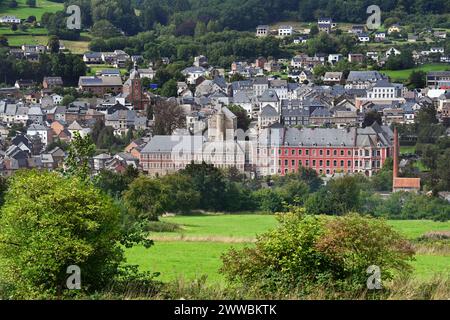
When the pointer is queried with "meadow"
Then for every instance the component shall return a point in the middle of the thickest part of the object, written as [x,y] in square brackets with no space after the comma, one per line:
[402,75]
[23,11]
[195,248]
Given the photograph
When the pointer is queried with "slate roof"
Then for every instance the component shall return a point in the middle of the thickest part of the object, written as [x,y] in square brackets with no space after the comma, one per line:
[169,143]
[363,76]
[269,96]
[269,111]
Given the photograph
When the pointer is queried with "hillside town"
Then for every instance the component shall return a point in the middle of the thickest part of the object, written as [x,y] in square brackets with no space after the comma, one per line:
[243,150]
[301,120]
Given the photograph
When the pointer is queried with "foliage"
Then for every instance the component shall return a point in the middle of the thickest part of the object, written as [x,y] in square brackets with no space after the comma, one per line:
[243,120]
[147,198]
[338,197]
[48,223]
[81,150]
[168,116]
[308,252]
[209,182]
[114,183]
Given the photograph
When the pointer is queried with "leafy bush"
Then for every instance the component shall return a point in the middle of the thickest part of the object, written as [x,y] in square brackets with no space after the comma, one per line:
[309,252]
[161,226]
[48,223]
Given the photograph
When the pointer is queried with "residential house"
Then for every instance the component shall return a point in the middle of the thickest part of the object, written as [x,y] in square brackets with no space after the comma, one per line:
[356,57]
[268,116]
[285,31]
[363,37]
[262,30]
[100,85]
[52,82]
[193,73]
[10,20]
[45,134]
[394,28]
[332,78]
[334,58]
[380,36]
[92,57]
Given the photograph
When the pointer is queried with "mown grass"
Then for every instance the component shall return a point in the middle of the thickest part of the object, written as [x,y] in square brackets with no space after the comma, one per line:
[23,11]
[195,248]
[402,75]
[176,259]
[407,149]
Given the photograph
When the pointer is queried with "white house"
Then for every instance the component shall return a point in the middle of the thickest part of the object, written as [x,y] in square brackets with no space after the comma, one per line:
[382,90]
[262,30]
[380,36]
[193,73]
[362,37]
[436,50]
[9,19]
[334,58]
[393,51]
[42,131]
[284,31]
[56,98]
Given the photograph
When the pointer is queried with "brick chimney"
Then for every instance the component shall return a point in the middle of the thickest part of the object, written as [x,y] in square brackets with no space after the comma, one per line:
[396,151]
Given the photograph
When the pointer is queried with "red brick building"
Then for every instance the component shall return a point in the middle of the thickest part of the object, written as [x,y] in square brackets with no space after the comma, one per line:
[329,151]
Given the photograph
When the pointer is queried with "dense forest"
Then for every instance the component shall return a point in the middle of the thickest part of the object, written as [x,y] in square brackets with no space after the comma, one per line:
[142,15]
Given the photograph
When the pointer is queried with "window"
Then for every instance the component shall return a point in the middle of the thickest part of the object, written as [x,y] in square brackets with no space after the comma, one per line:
[335,152]
[328,152]
[285,162]
[342,152]
[349,163]
[286,151]
[321,152]
[335,163]
[321,163]
[342,163]
[328,163]
[293,163]
[307,163]
[314,163]
[293,152]
[307,151]
[299,152]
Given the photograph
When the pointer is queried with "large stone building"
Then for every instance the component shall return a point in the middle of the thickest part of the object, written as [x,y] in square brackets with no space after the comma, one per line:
[168,154]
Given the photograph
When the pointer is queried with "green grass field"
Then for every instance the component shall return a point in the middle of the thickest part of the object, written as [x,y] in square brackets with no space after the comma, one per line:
[402,75]
[196,249]
[407,149]
[23,11]
[98,67]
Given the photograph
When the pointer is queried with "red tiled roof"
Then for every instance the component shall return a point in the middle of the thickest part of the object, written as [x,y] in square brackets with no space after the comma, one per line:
[407,183]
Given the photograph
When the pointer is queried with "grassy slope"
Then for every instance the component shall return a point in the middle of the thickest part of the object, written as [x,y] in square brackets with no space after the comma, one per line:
[401,75]
[36,35]
[191,259]
[23,11]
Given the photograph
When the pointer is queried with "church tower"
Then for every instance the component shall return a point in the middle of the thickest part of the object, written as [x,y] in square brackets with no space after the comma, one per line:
[133,89]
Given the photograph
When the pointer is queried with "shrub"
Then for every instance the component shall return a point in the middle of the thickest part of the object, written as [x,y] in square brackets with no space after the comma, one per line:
[49,222]
[309,252]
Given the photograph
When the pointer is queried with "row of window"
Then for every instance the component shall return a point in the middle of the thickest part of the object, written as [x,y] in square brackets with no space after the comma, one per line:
[366,164]
[375,153]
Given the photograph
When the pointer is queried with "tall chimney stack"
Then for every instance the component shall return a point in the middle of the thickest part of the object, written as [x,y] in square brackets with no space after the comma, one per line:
[396,151]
